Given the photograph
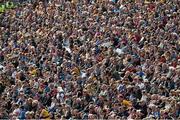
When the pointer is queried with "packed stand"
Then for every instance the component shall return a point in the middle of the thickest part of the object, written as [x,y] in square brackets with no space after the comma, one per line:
[90,59]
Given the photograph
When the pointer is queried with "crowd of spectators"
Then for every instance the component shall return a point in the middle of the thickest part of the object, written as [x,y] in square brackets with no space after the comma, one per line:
[90,59]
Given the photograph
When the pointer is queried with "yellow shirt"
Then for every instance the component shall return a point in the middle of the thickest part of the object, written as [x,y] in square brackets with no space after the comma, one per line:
[33,72]
[45,114]
[126,103]
[76,71]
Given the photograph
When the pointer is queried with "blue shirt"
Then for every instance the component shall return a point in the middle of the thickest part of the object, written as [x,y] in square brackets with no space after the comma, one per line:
[22,114]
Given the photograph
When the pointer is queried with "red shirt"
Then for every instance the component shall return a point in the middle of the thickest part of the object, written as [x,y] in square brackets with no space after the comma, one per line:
[137,38]
[162,59]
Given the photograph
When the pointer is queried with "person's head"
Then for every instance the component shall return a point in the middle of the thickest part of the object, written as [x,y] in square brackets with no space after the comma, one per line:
[120,97]
[34,103]
[92,116]
[28,115]
[30,100]
[139,114]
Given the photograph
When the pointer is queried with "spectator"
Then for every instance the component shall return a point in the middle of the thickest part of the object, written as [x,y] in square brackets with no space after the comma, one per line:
[91,59]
